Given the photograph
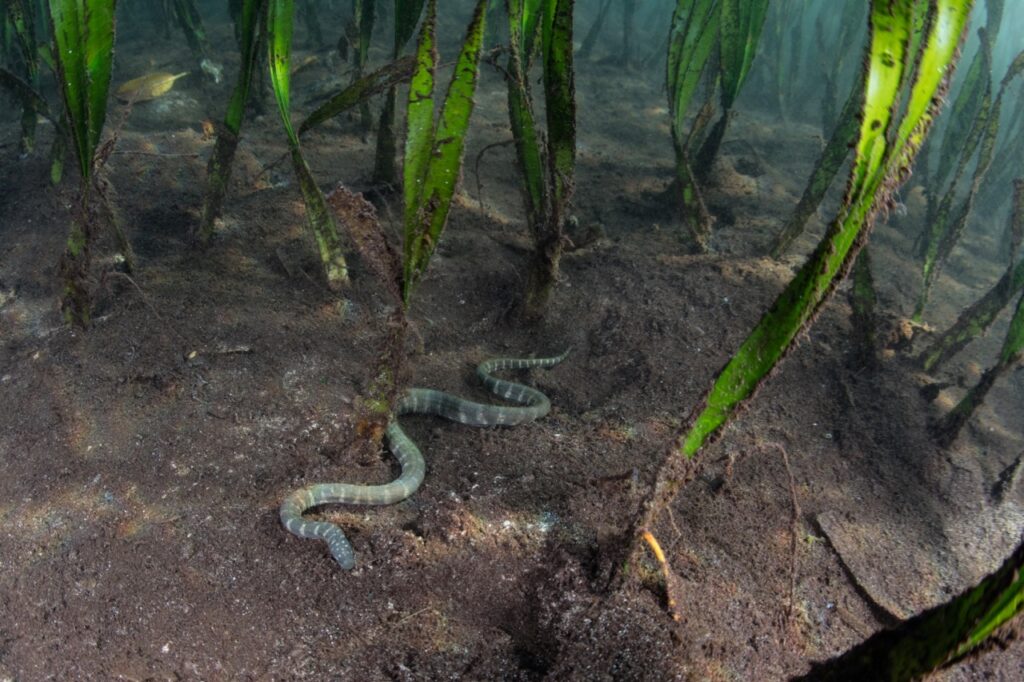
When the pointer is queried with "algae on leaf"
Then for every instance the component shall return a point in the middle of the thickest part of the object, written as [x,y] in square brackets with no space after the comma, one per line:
[433,151]
[937,637]
[900,67]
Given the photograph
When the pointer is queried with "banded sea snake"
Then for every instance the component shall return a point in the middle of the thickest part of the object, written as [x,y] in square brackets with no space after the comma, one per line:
[533,405]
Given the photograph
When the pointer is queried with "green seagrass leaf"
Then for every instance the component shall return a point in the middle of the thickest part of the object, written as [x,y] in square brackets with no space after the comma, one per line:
[83,32]
[361,90]
[885,149]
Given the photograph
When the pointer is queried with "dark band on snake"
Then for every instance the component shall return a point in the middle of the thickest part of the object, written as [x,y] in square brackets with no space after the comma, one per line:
[533,405]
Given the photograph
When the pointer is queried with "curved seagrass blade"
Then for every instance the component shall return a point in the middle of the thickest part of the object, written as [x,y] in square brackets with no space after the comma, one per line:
[547,165]
[692,38]
[433,154]
[419,135]
[936,637]
[976,319]
[949,222]
[522,18]
[84,34]
[884,150]
[974,92]
[560,102]
[384,78]
[1010,355]
[319,217]
[740,32]
[890,135]
[741,25]
[560,118]
[19,48]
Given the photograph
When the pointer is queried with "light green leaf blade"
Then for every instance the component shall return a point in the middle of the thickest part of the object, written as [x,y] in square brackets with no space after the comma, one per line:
[248,25]
[418,137]
[280,14]
[879,166]
[445,163]
[560,98]
[318,215]
[83,31]
[529,22]
[99,47]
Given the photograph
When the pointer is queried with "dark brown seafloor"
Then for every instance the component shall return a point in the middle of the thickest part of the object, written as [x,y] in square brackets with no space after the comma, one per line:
[139,487]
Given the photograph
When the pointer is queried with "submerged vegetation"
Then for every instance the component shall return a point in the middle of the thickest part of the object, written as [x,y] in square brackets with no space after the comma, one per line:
[279,40]
[84,55]
[885,150]
[875,103]
[548,169]
[248,18]
[693,37]
[434,144]
[938,637]
[974,127]
[711,42]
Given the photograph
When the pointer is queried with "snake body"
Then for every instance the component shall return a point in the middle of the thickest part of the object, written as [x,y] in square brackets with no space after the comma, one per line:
[533,405]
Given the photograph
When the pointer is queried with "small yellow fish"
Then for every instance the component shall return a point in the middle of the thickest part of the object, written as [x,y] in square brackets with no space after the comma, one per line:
[148,87]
